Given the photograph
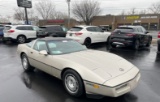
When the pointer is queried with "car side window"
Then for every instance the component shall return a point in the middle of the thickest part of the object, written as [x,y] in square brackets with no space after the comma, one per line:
[143,29]
[40,45]
[58,28]
[97,29]
[140,30]
[21,28]
[91,29]
[29,28]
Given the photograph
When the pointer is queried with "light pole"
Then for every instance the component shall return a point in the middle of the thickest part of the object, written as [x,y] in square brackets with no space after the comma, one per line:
[68,2]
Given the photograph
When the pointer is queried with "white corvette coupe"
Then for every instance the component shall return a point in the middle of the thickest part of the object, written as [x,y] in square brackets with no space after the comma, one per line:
[81,70]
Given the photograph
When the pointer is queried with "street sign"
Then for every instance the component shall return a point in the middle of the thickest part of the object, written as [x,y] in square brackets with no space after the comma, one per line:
[24,3]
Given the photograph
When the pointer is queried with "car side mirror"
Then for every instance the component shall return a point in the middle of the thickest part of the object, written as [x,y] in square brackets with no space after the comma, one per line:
[146,32]
[43,52]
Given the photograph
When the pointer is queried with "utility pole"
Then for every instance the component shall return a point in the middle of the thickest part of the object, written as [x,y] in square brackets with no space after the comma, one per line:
[26,14]
[68,2]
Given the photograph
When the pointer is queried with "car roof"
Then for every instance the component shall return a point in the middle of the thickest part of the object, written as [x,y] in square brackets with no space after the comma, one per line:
[49,25]
[103,25]
[53,39]
[84,26]
[18,25]
[130,26]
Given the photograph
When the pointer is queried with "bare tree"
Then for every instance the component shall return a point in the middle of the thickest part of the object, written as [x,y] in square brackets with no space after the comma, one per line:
[19,14]
[143,12]
[3,19]
[123,13]
[86,10]
[132,11]
[155,8]
[45,8]
[58,15]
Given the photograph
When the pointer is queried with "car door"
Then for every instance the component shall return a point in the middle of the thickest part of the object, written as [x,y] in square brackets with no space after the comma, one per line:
[92,33]
[59,31]
[38,60]
[31,32]
[146,36]
[142,36]
[102,35]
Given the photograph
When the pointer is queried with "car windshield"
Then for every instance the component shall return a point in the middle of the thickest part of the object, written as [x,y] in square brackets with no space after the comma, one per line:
[64,47]
[36,28]
[7,28]
[124,29]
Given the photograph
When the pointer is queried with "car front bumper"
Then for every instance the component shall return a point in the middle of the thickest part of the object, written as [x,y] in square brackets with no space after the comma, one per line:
[115,91]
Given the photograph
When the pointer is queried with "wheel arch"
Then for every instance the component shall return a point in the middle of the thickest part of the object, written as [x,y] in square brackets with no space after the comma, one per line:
[68,68]
[21,35]
[88,38]
[22,54]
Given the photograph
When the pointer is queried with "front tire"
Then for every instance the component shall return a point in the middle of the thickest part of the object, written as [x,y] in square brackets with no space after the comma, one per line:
[87,42]
[21,39]
[73,83]
[25,63]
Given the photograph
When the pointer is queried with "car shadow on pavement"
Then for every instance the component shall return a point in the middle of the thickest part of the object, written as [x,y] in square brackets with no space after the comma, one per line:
[52,89]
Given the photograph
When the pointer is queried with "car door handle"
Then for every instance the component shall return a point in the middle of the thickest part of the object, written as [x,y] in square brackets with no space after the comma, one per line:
[31,52]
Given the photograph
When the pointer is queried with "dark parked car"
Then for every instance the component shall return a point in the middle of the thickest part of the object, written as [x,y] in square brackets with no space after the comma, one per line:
[158,42]
[52,30]
[1,32]
[134,36]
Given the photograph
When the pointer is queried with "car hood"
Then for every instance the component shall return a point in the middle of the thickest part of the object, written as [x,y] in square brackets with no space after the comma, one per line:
[104,64]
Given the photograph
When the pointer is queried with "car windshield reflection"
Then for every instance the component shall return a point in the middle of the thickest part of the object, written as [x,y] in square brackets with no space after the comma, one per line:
[64,47]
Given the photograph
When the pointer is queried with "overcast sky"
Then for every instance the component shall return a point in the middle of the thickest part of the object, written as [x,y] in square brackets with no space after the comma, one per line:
[108,6]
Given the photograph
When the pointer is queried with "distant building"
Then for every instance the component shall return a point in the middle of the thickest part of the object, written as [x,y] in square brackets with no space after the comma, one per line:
[63,22]
[149,21]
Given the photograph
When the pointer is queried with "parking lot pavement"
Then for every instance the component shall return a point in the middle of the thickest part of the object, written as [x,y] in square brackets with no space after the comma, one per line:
[18,86]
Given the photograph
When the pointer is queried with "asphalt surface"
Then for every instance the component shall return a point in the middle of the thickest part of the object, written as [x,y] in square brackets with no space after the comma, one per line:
[18,86]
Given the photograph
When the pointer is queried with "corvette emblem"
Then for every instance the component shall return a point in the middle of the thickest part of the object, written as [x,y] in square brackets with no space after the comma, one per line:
[121,69]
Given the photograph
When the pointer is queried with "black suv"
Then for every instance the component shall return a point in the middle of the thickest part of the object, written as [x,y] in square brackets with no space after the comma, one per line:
[52,30]
[134,36]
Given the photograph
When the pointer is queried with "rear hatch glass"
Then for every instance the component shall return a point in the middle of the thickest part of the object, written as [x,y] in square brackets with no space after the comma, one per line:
[76,29]
[7,28]
[123,29]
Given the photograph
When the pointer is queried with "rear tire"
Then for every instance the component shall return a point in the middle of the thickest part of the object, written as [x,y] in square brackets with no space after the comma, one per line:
[158,45]
[73,83]
[21,39]
[136,45]
[87,42]
[25,63]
